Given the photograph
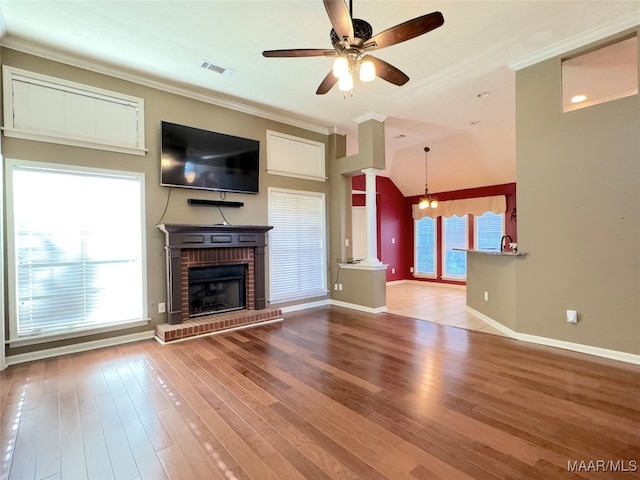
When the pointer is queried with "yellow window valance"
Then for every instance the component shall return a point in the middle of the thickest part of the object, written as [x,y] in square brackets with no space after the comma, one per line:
[474,206]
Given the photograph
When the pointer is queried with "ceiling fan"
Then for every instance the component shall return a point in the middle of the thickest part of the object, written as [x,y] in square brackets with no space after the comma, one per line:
[352,41]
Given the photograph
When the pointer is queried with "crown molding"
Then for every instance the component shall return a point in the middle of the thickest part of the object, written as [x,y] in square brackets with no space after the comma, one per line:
[371,115]
[39,50]
[577,41]
[337,130]
[3,25]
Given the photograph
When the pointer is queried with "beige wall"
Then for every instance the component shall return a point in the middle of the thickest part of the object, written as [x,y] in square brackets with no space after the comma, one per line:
[361,286]
[496,275]
[578,177]
[160,105]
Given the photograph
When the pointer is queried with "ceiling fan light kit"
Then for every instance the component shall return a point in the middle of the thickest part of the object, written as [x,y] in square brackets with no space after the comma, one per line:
[345,82]
[367,70]
[340,67]
[352,39]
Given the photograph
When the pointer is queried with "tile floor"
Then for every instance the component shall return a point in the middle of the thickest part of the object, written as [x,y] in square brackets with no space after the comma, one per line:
[439,303]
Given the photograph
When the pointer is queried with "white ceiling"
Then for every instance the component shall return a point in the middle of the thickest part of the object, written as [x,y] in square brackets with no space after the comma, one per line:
[471,53]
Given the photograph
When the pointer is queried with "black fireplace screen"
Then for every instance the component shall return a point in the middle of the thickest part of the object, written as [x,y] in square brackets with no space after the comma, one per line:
[216,289]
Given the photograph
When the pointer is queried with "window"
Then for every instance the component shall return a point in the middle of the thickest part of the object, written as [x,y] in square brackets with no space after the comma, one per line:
[297,245]
[488,231]
[295,157]
[48,109]
[425,255]
[607,73]
[454,236]
[76,249]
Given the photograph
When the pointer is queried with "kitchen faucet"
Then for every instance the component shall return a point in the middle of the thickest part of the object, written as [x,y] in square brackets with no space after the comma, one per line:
[503,244]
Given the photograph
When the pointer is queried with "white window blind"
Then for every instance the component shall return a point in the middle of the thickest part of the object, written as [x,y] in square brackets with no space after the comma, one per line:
[48,109]
[295,157]
[297,245]
[454,236]
[488,231]
[76,244]
[425,244]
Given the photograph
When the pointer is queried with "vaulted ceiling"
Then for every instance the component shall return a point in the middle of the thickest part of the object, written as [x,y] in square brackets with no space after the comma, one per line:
[472,138]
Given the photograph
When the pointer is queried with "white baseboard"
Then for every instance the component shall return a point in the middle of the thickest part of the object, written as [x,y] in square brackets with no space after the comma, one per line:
[361,308]
[552,342]
[305,306]
[78,347]
[497,325]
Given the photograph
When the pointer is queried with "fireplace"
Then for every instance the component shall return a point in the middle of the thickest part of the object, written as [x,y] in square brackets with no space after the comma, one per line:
[197,253]
[216,289]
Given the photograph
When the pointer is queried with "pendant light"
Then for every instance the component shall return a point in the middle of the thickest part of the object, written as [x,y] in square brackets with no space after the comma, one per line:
[428,200]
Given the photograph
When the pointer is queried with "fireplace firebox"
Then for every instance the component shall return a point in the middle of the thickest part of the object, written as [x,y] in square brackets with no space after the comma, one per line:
[216,289]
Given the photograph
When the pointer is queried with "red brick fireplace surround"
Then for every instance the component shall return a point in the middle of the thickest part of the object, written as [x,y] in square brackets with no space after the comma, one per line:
[191,246]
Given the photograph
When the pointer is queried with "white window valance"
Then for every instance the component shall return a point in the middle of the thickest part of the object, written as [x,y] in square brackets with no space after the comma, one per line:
[474,206]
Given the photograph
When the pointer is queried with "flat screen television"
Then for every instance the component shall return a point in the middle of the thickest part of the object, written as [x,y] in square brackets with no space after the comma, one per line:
[195,158]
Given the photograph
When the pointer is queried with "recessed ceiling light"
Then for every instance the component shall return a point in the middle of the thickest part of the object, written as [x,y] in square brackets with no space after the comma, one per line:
[483,94]
[578,98]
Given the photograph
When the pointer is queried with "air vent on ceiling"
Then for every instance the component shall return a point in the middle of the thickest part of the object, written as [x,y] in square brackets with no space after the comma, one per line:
[227,72]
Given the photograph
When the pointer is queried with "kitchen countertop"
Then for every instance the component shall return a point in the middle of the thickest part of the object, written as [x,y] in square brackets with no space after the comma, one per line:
[492,252]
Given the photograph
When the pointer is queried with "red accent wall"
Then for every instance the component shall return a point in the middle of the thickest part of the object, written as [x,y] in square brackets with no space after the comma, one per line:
[395,221]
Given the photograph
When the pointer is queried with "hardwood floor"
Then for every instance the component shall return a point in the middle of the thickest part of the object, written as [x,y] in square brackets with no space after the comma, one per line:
[328,394]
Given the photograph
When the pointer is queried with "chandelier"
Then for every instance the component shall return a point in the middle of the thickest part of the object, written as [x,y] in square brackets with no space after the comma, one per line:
[428,200]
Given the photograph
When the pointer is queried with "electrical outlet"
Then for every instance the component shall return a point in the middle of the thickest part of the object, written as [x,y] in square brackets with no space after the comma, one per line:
[486,296]
[162,307]
[335,286]
[393,240]
[410,269]
[572,316]
[393,271]
[346,242]
[340,286]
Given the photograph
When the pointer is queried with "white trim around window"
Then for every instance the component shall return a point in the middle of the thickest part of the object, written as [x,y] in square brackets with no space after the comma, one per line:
[425,243]
[488,231]
[76,251]
[455,235]
[49,109]
[295,157]
[297,245]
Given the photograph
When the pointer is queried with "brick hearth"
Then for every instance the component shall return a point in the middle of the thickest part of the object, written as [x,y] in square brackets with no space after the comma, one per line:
[211,324]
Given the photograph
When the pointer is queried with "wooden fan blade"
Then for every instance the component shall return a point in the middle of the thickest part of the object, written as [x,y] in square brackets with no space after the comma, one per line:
[298,52]
[388,72]
[327,84]
[340,18]
[407,30]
